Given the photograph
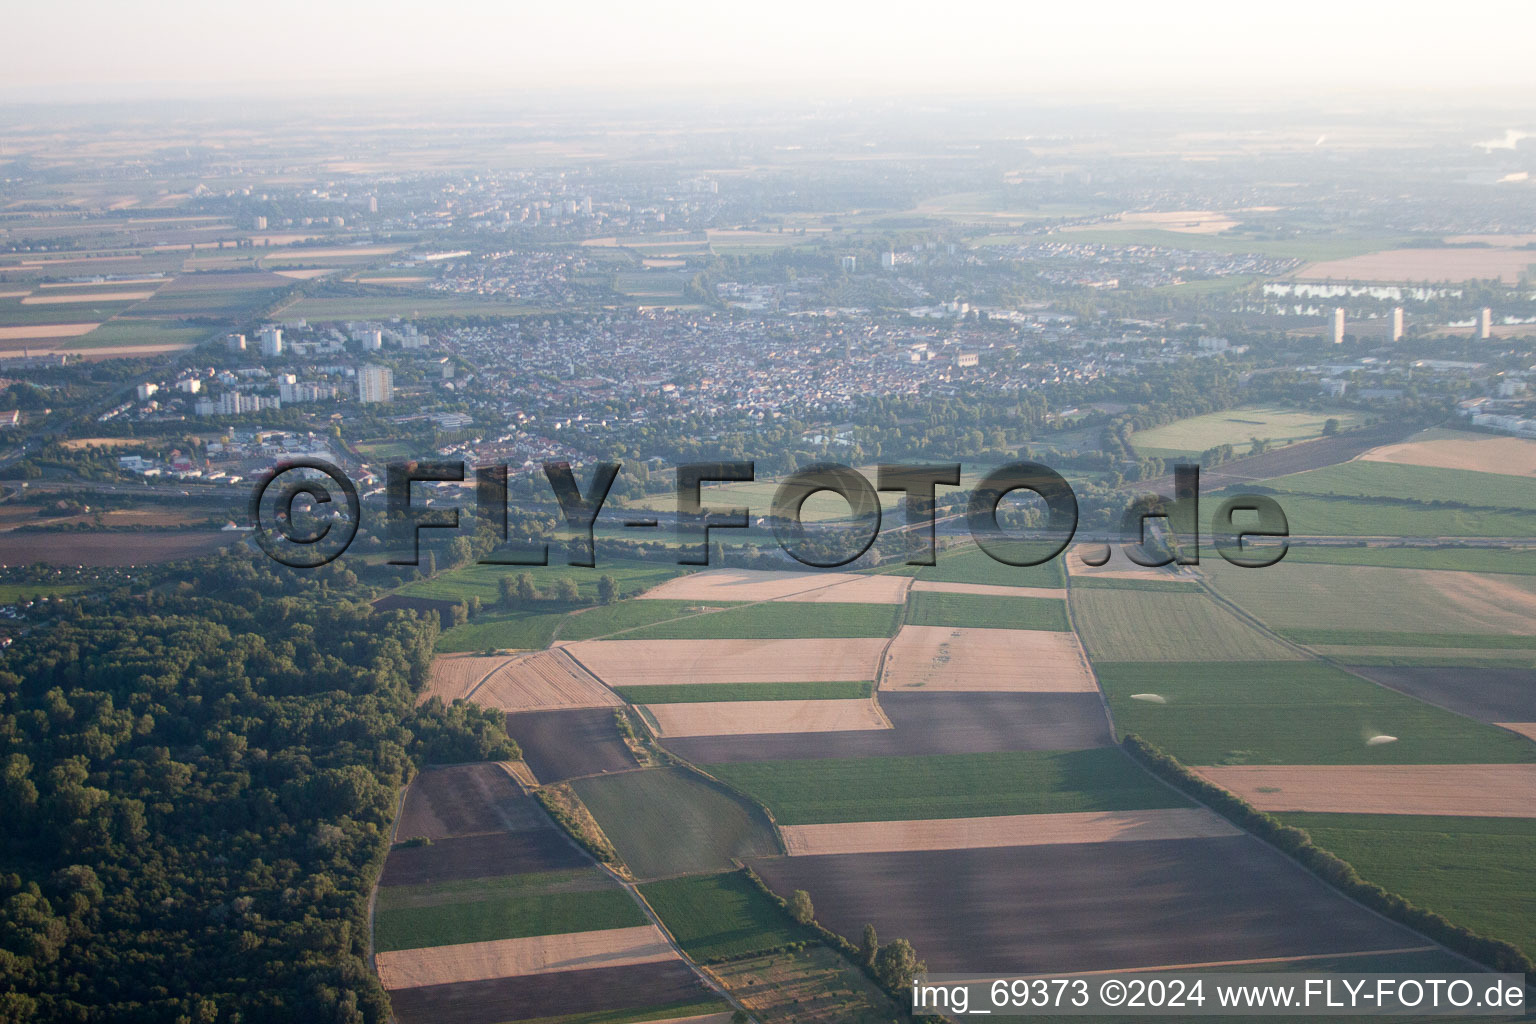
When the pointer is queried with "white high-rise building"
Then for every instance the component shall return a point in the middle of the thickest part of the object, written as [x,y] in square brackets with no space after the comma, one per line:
[235,342]
[1338,325]
[272,341]
[375,384]
[1397,323]
[372,341]
[1485,324]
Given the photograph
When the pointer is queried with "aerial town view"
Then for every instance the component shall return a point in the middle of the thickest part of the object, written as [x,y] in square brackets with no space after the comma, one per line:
[804,515]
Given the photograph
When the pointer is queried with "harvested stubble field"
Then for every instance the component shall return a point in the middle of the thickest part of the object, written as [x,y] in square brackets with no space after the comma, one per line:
[505,958]
[1005,830]
[1299,595]
[602,995]
[534,905]
[559,745]
[726,585]
[713,692]
[1468,790]
[948,786]
[1292,713]
[930,723]
[672,821]
[1074,908]
[755,718]
[721,916]
[779,619]
[463,800]
[943,658]
[976,611]
[544,680]
[683,662]
[482,856]
[1474,871]
[1416,265]
[1460,449]
[1133,625]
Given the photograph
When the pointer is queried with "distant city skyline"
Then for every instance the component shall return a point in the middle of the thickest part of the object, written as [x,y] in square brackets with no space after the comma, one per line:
[89,50]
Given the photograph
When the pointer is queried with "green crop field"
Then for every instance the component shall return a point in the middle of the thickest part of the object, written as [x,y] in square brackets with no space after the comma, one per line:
[502,912]
[1388,638]
[716,917]
[929,608]
[1292,713]
[781,619]
[482,580]
[1188,586]
[695,693]
[613,618]
[1303,595]
[970,564]
[518,630]
[1359,479]
[140,332]
[948,785]
[1310,515]
[1238,427]
[671,821]
[1519,561]
[1474,871]
[1132,625]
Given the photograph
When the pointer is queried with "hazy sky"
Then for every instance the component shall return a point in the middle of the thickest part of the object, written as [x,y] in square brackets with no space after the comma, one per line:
[108,49]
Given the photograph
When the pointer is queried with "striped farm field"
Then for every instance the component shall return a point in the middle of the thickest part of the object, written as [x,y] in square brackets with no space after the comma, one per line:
[695,662]
[718,586]
[1134,625]
[719,916]
[986,611]
[504,958]
[779,619]
[942,658]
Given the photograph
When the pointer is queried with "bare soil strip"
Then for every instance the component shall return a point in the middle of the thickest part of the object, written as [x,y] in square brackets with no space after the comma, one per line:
[506,958]
[757,717]
[761,585]
[1006,830]
[1463,790]
[943,658]
[986,590]
[665,662]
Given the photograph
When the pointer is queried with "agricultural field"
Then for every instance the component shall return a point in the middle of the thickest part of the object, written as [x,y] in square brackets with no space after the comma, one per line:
[560,745]
[466,800]
[540,681]
[720,917]
[714,692]
[947,786]
[979,611]
[1461,450]
[483,581]
[96,548]
[1082,907]
[945,658]
[1486,694]
[924,723]
[1298,595]
[778,619]
[1508,265]
[1238,428]
[514,907]
[763,718]
[1213,713]
[807,986]
[532,954]
[596,995]
[620,618]
[969,564]
[1477,790]
[506,630]
[1475,871]
[1134,625]
[1517,561]
[671,821]
[727,586]
[1496,492]
[622,663]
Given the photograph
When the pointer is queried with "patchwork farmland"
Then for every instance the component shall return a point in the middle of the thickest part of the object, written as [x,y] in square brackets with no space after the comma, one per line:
[932,751]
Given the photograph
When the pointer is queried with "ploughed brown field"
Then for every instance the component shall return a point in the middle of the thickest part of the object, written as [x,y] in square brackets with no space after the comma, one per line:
[537,954]
[931,658]
[466,800]
[1475,790]
[560,745]
[110,549]
[1087,907]
[929,723]
[678,662]
[537,996]
[1486,694]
